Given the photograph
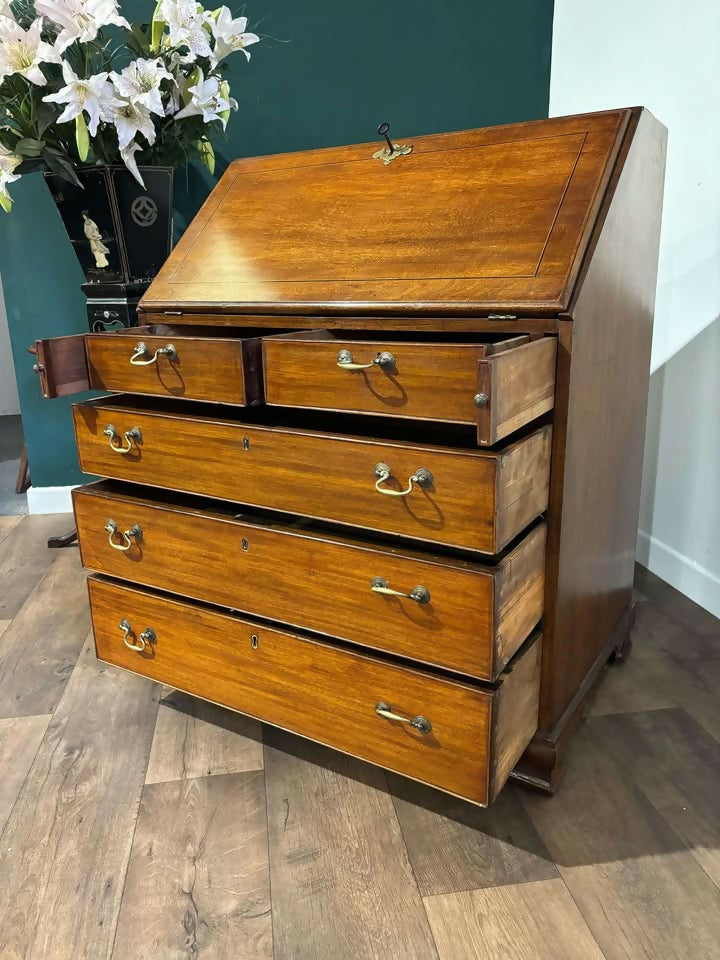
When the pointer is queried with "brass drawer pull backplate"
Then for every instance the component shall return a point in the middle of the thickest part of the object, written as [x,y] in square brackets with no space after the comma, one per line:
[133,435]
[418,723]
[419,594]
[147,636]
[141,350]
[112,529]
[422,477]
[385,360]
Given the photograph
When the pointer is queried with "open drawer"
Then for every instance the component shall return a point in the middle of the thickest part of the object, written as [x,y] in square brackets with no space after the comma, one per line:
[494,382]
[460,737]
[159,360]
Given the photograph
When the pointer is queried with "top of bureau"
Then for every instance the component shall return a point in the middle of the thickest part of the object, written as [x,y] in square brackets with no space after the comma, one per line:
[467,224]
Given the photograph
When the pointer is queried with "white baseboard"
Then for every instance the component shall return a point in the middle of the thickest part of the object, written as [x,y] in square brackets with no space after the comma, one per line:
[687,576]
[49,499]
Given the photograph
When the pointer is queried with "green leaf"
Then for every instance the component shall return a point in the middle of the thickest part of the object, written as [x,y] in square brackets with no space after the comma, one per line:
[44,116]
[5,202]
[58,163]
[29,148]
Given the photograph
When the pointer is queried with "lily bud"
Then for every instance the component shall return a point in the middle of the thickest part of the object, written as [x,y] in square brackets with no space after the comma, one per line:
[5,202]
[224,91]
[207,154]
[82,138]
[157,29]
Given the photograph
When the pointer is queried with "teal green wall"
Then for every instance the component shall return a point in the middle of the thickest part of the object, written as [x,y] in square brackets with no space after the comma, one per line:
[326,73]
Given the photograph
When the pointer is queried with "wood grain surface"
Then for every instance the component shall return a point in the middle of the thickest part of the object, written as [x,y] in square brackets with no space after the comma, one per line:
[218,369]
[23,561]
[39,649]
[198,739]
[320,691]
[478,500]
[427,380]
[454,846]
[532,921]
[682,780]
[364,904]
[60,898]
[632,877]
[348,860]
[479,220]
[198,882]
[19,740]
[519,385]
[476,619]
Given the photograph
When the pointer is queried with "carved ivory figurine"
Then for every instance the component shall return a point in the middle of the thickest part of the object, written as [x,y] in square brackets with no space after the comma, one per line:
[99,250]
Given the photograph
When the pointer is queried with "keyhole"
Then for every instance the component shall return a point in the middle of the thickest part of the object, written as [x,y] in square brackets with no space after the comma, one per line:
[244,544]
[254,641]
[246,443]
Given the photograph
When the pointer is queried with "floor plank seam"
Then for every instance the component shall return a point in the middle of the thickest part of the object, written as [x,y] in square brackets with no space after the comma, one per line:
[132,834]
[410,863]
[267,838]
[27,772]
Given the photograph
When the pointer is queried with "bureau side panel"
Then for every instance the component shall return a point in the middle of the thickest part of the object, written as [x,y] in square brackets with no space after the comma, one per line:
[596,479]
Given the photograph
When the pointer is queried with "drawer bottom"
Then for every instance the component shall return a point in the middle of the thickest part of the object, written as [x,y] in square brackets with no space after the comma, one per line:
[462,738]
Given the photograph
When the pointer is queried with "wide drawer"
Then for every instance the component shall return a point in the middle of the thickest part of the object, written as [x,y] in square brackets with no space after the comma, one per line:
[477,500]
[158,360]
[461,616]
[497,385]
[465,740]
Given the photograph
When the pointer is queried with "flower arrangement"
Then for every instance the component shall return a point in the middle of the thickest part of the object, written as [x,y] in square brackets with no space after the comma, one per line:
[80,85]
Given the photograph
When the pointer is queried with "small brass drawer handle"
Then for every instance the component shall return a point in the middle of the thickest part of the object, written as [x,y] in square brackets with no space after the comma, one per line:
[141,350]
[147,636]
[422,477]
[134,531]
[419,723]
[133,435]
[385,360]
[419,594]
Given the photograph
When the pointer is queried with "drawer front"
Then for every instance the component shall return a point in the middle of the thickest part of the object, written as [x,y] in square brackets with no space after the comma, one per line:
[460,616]
[194,368]
[478,501]
[157,360]
[322,692]
[498,387]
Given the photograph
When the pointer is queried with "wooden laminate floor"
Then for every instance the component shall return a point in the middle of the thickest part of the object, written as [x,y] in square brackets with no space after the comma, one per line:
[138,823]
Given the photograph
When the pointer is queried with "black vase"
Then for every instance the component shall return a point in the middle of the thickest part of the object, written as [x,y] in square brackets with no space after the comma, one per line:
[134,229]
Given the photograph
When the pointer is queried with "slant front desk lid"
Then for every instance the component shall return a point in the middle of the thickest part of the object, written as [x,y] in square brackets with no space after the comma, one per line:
[496,219]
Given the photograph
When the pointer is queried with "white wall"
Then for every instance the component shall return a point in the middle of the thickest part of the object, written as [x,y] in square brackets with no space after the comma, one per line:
[665,55]
[9,402]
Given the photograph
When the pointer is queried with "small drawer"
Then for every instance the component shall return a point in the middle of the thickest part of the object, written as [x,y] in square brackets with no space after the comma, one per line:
[461,497]
[461,738]
[497,385]
[445,612]
[159,360]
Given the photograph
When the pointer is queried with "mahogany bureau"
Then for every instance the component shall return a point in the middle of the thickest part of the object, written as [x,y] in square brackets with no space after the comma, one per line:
[373,460]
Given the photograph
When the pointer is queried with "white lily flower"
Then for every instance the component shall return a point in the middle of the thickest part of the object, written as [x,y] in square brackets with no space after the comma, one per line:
[207,99]
[130,119]
[22,51]
[93,96]
[5,10]
[127,154]
[140,83]
[186,25]
[80,19]
[230,34]
[8,162]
